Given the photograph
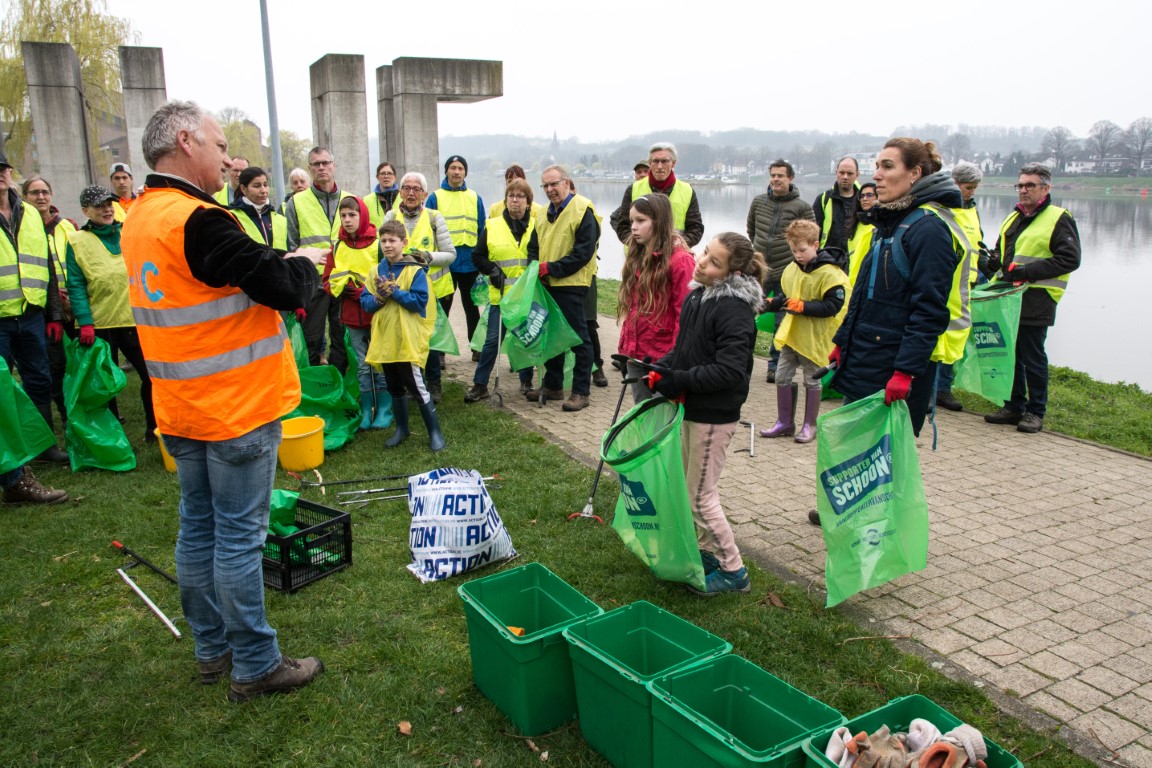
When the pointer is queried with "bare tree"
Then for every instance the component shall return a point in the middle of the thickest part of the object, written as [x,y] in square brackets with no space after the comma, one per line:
[1138,138]
[957,147]
[1104,139]
[1059,144]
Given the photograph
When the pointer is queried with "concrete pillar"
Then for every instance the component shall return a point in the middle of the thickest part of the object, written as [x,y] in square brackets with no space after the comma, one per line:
[386,118]
[56,96]
[340,117]
[142,80]
[417,86]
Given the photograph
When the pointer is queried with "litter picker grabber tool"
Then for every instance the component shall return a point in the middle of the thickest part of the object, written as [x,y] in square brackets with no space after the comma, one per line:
[751,449]
[148,602]
[397,488]
[620,363]
[138,560]
[499,398]
[325,483]
[820,373]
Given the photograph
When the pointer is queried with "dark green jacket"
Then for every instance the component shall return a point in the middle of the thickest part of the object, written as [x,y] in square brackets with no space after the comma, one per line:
[768,217]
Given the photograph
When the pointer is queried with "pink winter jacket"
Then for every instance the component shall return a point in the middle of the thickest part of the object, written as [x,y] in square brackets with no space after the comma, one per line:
[654,335]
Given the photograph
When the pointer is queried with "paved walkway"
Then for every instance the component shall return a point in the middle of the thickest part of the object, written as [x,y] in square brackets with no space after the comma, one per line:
[1037,581]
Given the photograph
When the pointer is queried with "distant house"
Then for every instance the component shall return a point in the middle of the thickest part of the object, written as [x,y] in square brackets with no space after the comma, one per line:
[1080,164]
[989,166]
[866,160]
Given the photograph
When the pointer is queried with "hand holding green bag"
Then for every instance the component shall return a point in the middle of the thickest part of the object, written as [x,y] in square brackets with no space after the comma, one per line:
[537,331]
[870,496]
[95,438]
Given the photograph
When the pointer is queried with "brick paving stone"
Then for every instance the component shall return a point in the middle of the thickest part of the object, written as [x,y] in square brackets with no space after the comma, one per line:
[1131,667]
[1079,695]
[1136,708]
[1046,702]
[1018,679]
[1005,617]
[944,641]
[1077,621]
[1080,653]
[1028,640]
[1137,754]
[1114,732]
[1106,680]
[974,662]
[1051,665]
[998,651]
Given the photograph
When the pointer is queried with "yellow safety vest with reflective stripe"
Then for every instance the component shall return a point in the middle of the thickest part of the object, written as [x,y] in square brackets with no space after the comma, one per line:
[826,207]
[376,211]
[459,208]
[506,253]
[224,196]
[422,237]
[950,345]
[221,365]
[354,264]
[858,246]
[58,248]
[398,335]
[556,239]
[1034,244]
[969,221]
[315,229]
[24,269]
[256,232]
[680,198]
[107,279]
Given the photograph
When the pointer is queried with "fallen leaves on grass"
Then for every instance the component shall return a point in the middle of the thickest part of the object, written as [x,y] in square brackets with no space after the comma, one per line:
[531,745]
[58,558]
[404,727]
[772,598]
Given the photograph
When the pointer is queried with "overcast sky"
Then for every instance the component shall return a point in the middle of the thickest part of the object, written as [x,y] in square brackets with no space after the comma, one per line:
[600,69]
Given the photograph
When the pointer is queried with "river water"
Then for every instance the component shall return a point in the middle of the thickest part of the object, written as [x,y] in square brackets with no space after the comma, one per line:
[1097,318]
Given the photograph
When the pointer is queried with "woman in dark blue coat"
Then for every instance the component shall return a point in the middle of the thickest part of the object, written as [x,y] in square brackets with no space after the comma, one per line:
[899,304]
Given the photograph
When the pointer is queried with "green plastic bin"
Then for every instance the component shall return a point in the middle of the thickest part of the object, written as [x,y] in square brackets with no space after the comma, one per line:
[897,714]
[729,712]
[528,677]
[614,656]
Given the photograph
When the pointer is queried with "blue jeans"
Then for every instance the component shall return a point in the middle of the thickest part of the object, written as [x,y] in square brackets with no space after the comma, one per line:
[944,377]
[225,494]
[369,379]
[9,479]
[490,354]
[24,345]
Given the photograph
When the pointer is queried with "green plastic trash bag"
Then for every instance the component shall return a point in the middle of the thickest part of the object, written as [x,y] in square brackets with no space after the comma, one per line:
[766,322]
[989,362]
[283,507]
[480,291]
[95,438]
[24,434]
[476,343]
[323,393]
[653,517]
[537,331]
[443,338]
[870,496]
[351,380]
[299,344]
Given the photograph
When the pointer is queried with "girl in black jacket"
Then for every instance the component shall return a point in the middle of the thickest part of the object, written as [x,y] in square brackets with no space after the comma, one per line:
[709,368]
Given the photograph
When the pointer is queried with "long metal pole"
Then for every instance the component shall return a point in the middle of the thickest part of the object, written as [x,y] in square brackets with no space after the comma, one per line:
[148,601]
[273,122]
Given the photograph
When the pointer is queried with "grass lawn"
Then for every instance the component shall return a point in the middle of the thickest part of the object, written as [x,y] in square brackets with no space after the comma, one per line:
[92,678]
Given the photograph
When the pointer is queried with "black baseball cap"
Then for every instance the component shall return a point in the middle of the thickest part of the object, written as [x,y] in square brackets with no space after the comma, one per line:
[95,195]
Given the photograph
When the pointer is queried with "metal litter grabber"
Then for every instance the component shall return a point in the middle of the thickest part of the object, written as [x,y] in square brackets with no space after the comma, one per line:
[620,363]
[138,560]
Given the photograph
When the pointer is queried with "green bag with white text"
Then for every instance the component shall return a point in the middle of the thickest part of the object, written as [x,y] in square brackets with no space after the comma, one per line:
[989,363]
[870,496]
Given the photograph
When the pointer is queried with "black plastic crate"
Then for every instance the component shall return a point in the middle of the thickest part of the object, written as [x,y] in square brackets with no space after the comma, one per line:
[322,546]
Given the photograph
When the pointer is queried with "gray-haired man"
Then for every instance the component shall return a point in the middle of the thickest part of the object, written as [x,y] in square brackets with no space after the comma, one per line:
[661,178]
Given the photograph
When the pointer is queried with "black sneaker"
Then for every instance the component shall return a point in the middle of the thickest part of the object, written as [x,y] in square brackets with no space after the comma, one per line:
[598,378]
[948,401]
[1004,415]
[288,676]
[1030,423]
[476,394]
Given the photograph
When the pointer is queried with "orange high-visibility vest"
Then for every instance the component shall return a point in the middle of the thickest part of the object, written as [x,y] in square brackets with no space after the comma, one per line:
[221,364]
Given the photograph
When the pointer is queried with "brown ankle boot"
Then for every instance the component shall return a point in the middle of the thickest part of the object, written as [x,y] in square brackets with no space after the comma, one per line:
[28,490]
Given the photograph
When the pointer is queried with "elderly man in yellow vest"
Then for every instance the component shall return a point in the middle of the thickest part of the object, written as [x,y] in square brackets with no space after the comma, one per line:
[662,178]
[1038,246]
[568,235]
[314,222]
[205,297]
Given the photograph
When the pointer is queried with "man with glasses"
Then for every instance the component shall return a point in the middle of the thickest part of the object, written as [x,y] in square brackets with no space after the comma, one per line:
[835,209]
[314,222]
[568,235]
[661,178]
[1039,246]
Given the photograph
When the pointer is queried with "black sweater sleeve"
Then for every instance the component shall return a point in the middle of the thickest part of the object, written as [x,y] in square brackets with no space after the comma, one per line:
[220,253]
[828,305]
[693,222]
[583,250]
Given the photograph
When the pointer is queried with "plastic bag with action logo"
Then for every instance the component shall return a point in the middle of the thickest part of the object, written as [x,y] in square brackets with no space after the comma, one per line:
[870,496]
[537,331]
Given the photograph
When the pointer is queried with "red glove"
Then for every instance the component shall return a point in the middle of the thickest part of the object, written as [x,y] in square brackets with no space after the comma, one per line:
[834,357]
[1011,267]
[543,269]
[301,315]
[651,378]
[55,332]
[897,387]
[87,335]
[795,306]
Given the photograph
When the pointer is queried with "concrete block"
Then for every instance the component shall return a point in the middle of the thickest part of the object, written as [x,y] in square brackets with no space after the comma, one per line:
[142,81]
[340,117]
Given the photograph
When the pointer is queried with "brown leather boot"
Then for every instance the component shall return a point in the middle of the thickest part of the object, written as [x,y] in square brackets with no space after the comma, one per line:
[28,490]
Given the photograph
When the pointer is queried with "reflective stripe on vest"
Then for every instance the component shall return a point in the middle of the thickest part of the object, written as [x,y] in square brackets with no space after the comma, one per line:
[506,253]
[556,239]
[221,365]
[316,231]
[680,198]
[1034,244]
[256,231]
[348,262]
[107,279]
[58,246]
[459,208]
[24,269]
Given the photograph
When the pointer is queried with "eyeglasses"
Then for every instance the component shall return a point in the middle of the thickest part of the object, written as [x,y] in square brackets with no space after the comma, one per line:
[411,189]
[867,194]
[320,163]
[38,192]
[552,184]
[660,161]
[515,196]
[1029,185]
